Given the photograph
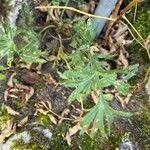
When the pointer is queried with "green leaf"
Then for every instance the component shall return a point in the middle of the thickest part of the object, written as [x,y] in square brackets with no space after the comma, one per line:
[85,31]
[122,87]
[2,76]
[95,119]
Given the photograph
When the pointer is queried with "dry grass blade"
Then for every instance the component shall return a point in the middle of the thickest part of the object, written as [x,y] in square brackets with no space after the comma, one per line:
[48,7]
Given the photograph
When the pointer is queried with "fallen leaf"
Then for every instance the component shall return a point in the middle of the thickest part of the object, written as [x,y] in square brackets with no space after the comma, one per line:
[94,96]
[49,79]
[122,60]
[6,94]
[23,121]
[72,131]
[8,129]
[10,80]
[65,112]
[127,99]
[11,111]
[29,94]
[53,119]
[30,77]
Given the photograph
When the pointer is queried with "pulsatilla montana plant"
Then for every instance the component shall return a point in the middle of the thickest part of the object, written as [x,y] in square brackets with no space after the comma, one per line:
[26,48]
[91,73]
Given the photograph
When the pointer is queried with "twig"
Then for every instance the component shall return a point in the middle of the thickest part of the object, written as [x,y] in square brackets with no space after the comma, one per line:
[60,117]
[45,8]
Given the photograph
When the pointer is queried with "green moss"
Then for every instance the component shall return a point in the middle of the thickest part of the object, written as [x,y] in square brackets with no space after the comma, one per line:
[43,119]
[141,22]
[40,85]
[140,129]
[20,145]
[58,141]
[4,116]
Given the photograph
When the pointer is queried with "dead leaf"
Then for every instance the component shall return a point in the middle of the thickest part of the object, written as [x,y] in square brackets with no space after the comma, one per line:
[72,131]
[11,111]
[65,112]
[122,60]
[46,104]
[53,119]
[49,79]
[30,77]
[23,121]
[8,129]
[127,99]
[6,94]
[10,80]
[29,94]
[94,96]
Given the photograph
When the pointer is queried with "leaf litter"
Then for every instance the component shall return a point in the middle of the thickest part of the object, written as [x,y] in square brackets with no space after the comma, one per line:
[114,44]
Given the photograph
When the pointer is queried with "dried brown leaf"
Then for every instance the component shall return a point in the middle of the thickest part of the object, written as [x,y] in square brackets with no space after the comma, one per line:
[65,112]
[6,94]
[23,121]
[94,96]
[53,119]
[10,80]
[49,79]
[11,111]
[29,94]
[127,99]
[8,129]
[72,131]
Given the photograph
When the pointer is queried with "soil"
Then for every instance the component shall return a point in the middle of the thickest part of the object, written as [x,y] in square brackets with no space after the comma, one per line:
[137,127]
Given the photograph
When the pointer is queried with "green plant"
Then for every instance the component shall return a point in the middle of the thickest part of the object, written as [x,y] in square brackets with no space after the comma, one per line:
[4,116]
[26,49]
[91,72]
[2,75]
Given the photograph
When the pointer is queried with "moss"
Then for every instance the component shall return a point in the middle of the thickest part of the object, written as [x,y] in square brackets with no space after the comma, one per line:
[20,145]
[58,141]
[39,85]
[140,128]
[43,119]
[142,19]
[4,116]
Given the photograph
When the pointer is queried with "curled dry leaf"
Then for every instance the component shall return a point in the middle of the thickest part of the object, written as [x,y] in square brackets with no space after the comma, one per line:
[19,91]
[53,119]
[65,112]
[94,96]
[43,107]
[10,80]
[49,79]
[30,77]
[127,99]
[11,111]
[23,121]
[72,131]
[6,94]
[8,129]
[29,94]
[122,60]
